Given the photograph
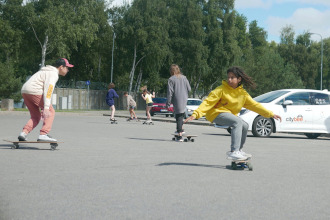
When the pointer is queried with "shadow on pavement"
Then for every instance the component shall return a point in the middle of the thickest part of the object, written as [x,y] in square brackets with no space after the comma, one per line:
[195,165]
[149,139]
[272,136]
[8,147]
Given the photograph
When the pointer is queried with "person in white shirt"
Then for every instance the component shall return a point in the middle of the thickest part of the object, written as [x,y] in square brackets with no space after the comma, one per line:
[37,93]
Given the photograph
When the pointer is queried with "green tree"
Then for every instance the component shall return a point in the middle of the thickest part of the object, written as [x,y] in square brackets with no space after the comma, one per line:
[188,40]
[143,42]
[10,41]
[326,63]
[257,36]
[286,46]
[59,26]
[221,41]
[10,85]
[270,72]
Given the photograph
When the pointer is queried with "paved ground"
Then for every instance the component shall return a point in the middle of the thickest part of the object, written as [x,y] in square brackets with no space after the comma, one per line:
[134,171]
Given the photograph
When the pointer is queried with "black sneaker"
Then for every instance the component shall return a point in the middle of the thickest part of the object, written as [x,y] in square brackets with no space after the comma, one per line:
[179,139]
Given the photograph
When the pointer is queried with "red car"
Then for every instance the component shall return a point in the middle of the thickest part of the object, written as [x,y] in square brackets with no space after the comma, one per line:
[159,107]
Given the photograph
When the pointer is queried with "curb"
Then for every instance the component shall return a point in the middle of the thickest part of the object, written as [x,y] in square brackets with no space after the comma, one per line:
[170,120]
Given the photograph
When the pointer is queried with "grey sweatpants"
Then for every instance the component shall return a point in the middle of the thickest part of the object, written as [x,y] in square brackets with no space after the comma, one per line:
[238,126]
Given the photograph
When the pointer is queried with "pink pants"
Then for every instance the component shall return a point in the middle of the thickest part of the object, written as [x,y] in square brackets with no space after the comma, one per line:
[35,104]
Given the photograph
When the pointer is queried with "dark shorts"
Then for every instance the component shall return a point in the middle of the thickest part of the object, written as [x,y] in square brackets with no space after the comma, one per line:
[150,104]
[132,107]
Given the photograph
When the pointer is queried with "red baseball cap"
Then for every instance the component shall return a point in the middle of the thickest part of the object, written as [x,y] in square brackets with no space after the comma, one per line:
[67,63]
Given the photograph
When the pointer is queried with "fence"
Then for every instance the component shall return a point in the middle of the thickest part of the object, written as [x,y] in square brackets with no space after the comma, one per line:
[86,99]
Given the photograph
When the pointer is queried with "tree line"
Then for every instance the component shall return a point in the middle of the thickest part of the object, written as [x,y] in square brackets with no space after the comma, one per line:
[204,37]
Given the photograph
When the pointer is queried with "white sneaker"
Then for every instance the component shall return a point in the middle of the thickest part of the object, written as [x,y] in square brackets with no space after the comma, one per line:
[246,154]
[46,137]
[175,132]
[236,155]
[22,136]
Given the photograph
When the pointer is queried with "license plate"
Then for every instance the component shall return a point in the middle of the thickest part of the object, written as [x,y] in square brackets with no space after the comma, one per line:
[163,110]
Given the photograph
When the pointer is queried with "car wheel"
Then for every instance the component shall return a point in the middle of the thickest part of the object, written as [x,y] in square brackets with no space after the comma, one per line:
[262,127]
[152,113]
[312,135]
[167,116]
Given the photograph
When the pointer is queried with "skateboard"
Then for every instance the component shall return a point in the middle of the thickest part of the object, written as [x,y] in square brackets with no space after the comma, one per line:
[241,164]
[148,123]
[129,119]
[113,121]
[15,145]
[186,137]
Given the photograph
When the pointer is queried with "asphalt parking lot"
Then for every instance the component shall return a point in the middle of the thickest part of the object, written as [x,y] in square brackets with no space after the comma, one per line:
[134,171]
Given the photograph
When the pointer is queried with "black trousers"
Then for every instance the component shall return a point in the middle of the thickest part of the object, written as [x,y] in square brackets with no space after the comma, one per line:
[179,122]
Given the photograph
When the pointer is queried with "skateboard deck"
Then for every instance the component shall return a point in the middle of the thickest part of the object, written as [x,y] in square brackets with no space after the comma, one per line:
[186,137]
[148,123]
[132,119]
[53,144]
[241,164]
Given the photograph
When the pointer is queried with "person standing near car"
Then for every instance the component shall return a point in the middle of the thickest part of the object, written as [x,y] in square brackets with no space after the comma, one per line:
[37,93]
[146,95]
[224,103]
[178,89]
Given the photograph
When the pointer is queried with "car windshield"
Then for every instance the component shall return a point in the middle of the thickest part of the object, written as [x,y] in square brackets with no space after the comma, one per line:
[194,102]
[159,100]
[270,96]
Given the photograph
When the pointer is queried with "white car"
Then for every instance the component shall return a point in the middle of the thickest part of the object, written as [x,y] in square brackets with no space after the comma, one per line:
[192,105]
[303,111]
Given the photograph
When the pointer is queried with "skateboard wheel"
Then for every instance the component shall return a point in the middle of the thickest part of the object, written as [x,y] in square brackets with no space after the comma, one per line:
[53,146]
[15,146]
[173,139]
[186,140]
[249,165]
[192,140]
[233,165]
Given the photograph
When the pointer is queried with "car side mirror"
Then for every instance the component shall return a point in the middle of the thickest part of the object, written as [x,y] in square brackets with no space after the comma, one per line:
[287,102]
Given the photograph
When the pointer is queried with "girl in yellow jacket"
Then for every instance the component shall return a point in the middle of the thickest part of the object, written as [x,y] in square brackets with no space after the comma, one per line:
[224,103]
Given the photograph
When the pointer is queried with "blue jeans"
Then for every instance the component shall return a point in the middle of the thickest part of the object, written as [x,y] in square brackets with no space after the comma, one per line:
[238,127]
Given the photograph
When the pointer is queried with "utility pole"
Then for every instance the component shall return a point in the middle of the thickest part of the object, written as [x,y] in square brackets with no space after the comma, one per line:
[113,47]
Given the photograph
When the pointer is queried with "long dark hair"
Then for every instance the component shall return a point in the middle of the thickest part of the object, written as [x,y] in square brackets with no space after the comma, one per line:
[247,81]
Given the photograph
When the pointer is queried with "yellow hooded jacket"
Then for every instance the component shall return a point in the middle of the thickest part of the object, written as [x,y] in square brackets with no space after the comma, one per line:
[227,99]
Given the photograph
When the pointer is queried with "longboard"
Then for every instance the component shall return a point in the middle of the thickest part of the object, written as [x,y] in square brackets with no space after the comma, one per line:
[53,144]
[113,121]
[148,123]
[241,164]
[187,137]
[129,119]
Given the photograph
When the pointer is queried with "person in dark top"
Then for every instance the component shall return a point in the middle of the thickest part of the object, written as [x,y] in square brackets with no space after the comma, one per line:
[110,100]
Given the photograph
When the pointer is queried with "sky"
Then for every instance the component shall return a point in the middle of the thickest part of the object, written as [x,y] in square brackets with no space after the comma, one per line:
[272,15]
[304,15]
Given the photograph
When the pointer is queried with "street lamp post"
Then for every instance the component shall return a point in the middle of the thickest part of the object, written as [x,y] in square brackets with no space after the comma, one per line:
[321,56]
[113,46]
